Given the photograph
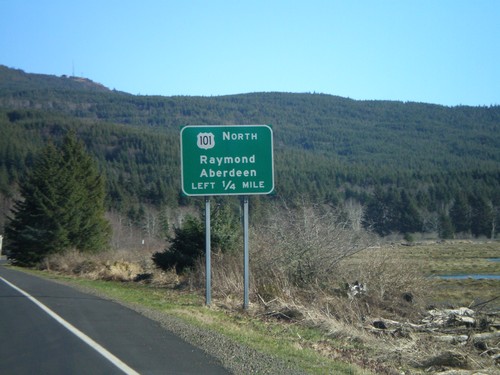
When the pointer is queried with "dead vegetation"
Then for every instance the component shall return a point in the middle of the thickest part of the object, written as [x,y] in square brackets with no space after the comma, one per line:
[315,267]
[125,266]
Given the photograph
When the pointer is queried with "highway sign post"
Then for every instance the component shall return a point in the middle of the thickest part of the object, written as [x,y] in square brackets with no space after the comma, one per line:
[227,160]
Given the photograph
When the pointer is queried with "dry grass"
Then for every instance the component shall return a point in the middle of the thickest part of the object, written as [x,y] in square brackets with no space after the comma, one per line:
[117,266]
[390,273]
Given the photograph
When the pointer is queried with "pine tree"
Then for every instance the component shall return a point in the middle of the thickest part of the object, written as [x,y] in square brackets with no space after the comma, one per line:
[33,232]
[409,217]
[85,198]
[187,246]
[460,214]
[446,230]
[188,243]
[62,206]
[482,216]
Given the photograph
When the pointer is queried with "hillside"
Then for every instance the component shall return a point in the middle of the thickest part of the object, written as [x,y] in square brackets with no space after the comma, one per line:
[408,164]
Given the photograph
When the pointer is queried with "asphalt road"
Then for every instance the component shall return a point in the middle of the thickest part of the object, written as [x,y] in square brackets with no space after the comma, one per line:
[55,329]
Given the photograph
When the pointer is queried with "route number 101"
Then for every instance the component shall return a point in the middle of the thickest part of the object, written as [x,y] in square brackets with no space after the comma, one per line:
[206,140]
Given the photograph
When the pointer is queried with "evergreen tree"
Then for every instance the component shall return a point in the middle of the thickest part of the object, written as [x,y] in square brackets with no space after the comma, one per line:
[460,214]
[445,227]
[85,195]
[187,245]
[380,213]
[35,230]
[482,218]
[62,206]
[410,220]
[226,233]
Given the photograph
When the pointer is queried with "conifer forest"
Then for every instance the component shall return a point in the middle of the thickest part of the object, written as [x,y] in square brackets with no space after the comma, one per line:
[409,167]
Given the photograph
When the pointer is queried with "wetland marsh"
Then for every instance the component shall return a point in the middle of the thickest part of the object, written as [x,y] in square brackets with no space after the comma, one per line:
[472,271]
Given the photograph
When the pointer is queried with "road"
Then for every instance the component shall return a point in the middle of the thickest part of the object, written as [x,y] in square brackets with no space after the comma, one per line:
[49,328]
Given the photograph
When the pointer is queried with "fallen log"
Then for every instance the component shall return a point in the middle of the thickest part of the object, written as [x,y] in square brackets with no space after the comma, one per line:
[452,339]
[486,336]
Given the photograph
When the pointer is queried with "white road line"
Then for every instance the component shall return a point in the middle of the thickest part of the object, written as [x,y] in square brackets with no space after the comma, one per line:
[82,336]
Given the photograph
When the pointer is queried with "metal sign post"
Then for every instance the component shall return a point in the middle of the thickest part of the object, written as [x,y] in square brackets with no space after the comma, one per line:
[208,268]
[246,267]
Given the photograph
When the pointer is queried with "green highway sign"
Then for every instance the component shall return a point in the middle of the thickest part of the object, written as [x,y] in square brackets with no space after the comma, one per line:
[227,160]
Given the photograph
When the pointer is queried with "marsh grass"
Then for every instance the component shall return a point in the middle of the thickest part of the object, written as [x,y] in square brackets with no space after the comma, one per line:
[456,258]
[467,292]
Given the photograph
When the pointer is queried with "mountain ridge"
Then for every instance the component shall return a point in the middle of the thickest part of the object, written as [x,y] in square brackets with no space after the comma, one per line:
[16,80]
[327,147]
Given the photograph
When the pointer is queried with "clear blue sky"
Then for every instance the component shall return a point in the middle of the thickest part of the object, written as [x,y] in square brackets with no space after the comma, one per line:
[434,51]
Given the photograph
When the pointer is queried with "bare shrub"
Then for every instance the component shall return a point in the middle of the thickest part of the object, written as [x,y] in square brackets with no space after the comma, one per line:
[300,247]
[110,265]
[149,230]
[160,278]
[393,286]
[119,270]
[127,235]
[70,262]
[314,255]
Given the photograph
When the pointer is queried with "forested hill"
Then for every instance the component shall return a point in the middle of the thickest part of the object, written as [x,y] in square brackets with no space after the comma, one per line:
[14,81]
[408,164]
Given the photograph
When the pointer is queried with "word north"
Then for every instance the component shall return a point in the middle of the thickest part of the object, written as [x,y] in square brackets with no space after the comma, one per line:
[230,136]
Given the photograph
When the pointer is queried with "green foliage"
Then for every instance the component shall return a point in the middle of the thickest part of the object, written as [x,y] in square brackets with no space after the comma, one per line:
[446,229]
[399,160]
[226,231]
[460,214]
[482,216]
[188,243]
[186,247]
[62,206]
